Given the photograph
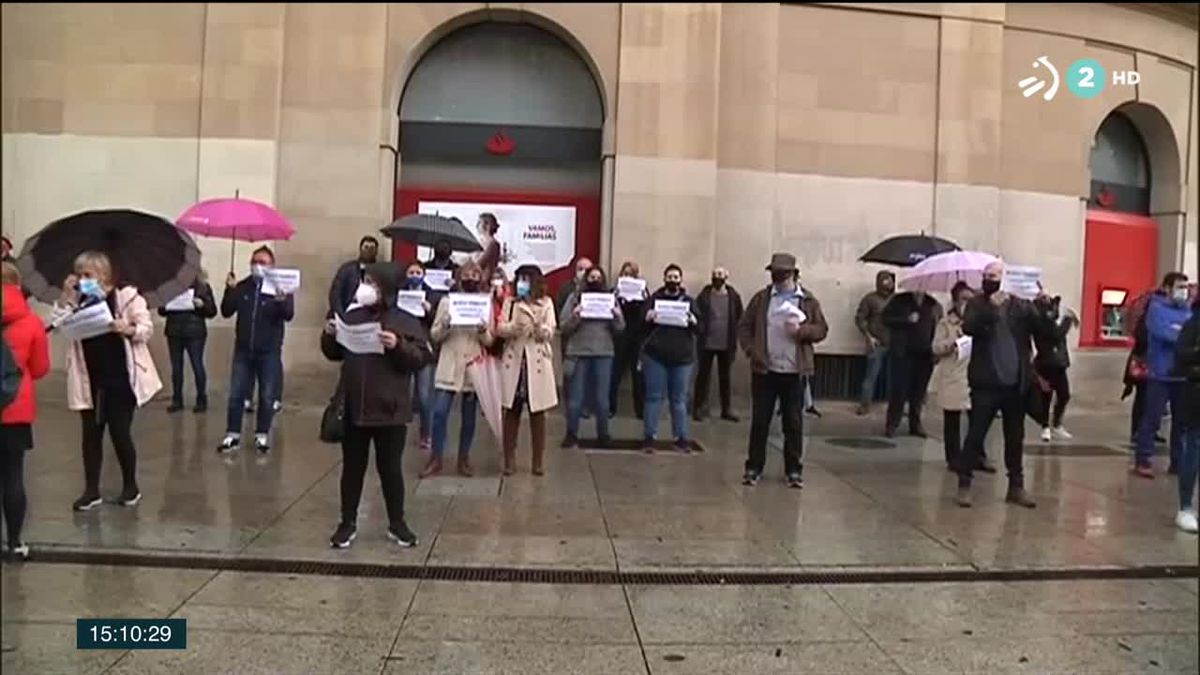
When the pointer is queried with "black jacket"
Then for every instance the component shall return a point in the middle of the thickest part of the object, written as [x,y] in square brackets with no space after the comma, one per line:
[1187,365]
[378,387]
[704,308]
[670,345]
[905,337]
[1051,345]
[260,318]
[345,283]
[980,321]
[194,324]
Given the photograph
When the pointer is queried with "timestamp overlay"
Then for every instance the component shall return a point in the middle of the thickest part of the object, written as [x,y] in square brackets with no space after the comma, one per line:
[131,633]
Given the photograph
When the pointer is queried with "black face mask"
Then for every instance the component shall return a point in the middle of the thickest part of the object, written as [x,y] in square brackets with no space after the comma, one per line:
[672,287]
[441,253]
[470,285]
[595,286]
[718,283]
[780,276]
[990,286]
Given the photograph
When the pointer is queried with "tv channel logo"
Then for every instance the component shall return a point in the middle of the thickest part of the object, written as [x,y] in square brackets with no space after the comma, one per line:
[1086,79]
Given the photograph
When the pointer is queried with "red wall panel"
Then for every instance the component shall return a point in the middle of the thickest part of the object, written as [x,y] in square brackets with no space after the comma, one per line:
[1120,252]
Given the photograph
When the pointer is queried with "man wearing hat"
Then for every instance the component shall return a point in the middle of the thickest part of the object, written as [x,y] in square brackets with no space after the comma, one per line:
[778,330]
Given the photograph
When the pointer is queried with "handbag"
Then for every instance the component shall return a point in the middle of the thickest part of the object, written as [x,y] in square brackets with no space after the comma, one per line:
[333,420]
[1138,370]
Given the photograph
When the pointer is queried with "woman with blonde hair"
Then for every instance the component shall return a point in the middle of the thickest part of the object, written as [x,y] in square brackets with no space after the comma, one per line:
[628,346]
[109,376]
[527,325]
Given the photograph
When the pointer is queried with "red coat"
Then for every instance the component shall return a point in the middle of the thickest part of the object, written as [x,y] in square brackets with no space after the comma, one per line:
[26,337]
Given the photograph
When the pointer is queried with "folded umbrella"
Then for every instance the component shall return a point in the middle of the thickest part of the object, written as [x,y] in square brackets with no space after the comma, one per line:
[939,273]
[907,250]
[484,372]
[146,251]
[236,219]
[424,229]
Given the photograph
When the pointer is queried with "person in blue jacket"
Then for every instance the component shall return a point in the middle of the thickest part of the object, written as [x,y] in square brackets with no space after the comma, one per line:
[1165,316]
[257,345]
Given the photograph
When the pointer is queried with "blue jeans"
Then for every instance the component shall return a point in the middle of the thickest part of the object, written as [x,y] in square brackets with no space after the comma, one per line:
[875,360]
[1188,466]
[662,383]
[423,385]
[249,367]
[592,374]
[277,391]
[195,352]
[442,400]
[1158,394]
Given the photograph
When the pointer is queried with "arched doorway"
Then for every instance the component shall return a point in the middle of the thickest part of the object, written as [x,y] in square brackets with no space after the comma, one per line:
[1126,244]
[505,118]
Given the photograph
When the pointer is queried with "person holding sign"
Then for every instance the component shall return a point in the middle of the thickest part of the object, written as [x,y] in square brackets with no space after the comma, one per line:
[781,324]
[416,298]
[591,322]
[667,357]
[910,319]
[377,403]
[187,331]
[258,341]
[527,325]
[950,376]
[457,347]
[631,296]
[109,375]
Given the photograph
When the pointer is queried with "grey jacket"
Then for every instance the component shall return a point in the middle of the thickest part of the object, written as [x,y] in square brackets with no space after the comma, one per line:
[588,337]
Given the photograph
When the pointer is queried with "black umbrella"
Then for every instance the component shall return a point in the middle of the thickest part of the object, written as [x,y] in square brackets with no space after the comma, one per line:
[424,229]
[146,251]
[907,250]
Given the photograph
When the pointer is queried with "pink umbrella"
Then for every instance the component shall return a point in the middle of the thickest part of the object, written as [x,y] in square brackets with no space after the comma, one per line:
[484,372]
[236,219]
[938,273]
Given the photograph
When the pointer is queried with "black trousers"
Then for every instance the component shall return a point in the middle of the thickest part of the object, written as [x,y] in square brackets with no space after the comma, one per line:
[952,437]
[1059,395]
[704,375]
[908,381]
[788,390]
[12,482]
[356,451]
[111,409]
[195,353]
[1010,402]
[1139,407]
[626,360]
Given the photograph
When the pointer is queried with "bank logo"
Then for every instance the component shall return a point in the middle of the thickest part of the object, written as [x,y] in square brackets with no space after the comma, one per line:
[1086,78]
[1033,84]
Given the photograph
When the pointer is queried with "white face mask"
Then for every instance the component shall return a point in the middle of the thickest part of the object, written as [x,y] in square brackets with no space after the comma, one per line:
[259,271]
[366,295]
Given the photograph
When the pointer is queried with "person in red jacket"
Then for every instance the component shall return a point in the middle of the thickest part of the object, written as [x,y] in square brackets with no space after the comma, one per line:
[25,337]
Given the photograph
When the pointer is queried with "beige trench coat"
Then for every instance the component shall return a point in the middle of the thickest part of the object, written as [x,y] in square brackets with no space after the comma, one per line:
[528,328]
[459,346]
[950,373]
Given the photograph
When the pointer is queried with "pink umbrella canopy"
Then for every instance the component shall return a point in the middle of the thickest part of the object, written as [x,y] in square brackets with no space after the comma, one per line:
[938,273]
[236,219]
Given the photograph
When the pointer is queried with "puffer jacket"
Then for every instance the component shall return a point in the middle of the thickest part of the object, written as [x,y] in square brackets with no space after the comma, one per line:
[25,335]
[950,373]
[1052,350]
[1164,321]
[194,324]
[378,387]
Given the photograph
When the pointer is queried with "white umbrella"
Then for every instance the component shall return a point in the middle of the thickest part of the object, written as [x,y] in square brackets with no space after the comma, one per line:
[939,273]
[484,372]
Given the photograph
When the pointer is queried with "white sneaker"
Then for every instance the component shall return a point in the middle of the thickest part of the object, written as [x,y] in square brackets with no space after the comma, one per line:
[1186,521]
[1046,435]
[1062,434]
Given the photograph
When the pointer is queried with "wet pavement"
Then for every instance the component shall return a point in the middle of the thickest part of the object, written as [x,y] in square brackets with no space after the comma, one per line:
[882,508]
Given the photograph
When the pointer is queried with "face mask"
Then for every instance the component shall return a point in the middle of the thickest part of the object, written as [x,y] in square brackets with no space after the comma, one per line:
[595,286]
[1180,296]
[470,285]
[91,288]
[259,271]
[579,274]
[718,282]
[415,282]
[672,287]
[497,284]
[366,295]
[990,286]
[780,277]
[441,253]
[523,288]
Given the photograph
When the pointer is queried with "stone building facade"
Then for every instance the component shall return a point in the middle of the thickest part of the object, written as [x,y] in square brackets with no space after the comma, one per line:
[729,130]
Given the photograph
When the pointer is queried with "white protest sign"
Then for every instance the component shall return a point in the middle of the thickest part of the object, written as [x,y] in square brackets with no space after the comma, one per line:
[597,305]
[964,345]
[1022,281]
[412,302]
[671,313]
[360,338]
[469,309]
[631,288]
[530,234]
[788,309]
[87,322]
[184,302]
[281,281]
[439,280]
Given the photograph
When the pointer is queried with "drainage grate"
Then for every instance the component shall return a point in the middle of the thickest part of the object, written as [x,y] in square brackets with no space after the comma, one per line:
[607,577]
[1052,450]
[861,443]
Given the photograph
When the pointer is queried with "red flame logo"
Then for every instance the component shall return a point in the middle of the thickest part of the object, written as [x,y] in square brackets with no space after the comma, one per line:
[1105,198]
[501,144]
